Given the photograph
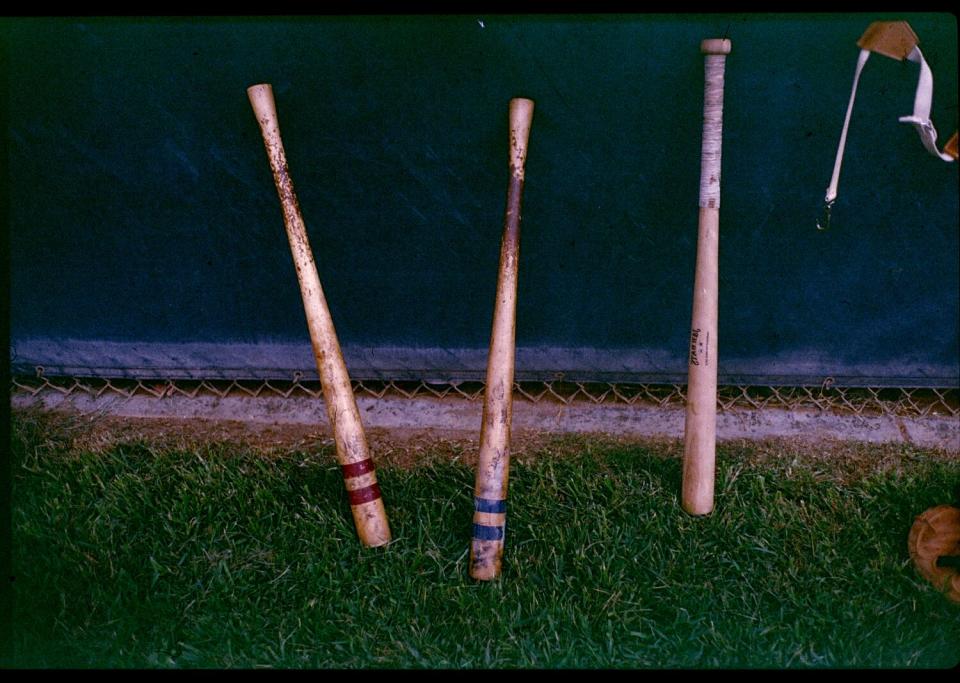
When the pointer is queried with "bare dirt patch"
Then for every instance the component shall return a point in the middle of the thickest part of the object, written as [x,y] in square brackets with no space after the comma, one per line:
[834,459]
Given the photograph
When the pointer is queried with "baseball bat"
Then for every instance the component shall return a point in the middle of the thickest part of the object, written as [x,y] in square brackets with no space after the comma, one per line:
[700,424]
[353,454]
[493,468]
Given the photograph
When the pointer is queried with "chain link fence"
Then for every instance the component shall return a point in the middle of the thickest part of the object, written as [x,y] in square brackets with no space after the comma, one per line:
[863,401]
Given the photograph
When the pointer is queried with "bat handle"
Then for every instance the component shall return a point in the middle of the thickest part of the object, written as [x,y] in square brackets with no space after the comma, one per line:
[715,52]
[265,109]
[521,118]
[264,105]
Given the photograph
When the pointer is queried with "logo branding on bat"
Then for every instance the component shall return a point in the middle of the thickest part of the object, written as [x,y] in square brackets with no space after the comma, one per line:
[699,347]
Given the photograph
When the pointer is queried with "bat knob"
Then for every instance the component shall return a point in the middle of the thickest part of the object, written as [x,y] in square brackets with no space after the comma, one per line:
[521,116]
[715,46]
[261,99]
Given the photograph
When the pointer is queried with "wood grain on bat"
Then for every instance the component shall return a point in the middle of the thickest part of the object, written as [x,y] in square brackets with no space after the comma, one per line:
[700,423]
[353,454]
[493,468]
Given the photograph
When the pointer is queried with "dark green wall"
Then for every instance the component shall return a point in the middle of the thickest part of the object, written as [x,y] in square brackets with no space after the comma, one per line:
[141,206]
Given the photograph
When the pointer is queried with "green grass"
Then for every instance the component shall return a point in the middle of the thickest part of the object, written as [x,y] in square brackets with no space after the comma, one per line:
[219,556]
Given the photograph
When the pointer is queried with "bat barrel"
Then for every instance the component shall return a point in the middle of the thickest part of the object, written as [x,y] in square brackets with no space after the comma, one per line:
[493,468]
[700,424]
[353,454]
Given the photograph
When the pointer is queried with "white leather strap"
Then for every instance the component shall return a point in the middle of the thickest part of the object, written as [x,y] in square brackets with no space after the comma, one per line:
[835,180]
[920,119]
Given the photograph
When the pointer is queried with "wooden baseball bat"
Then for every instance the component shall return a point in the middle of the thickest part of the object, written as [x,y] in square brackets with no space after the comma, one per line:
[353,454]
[493,468]
[700,424]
